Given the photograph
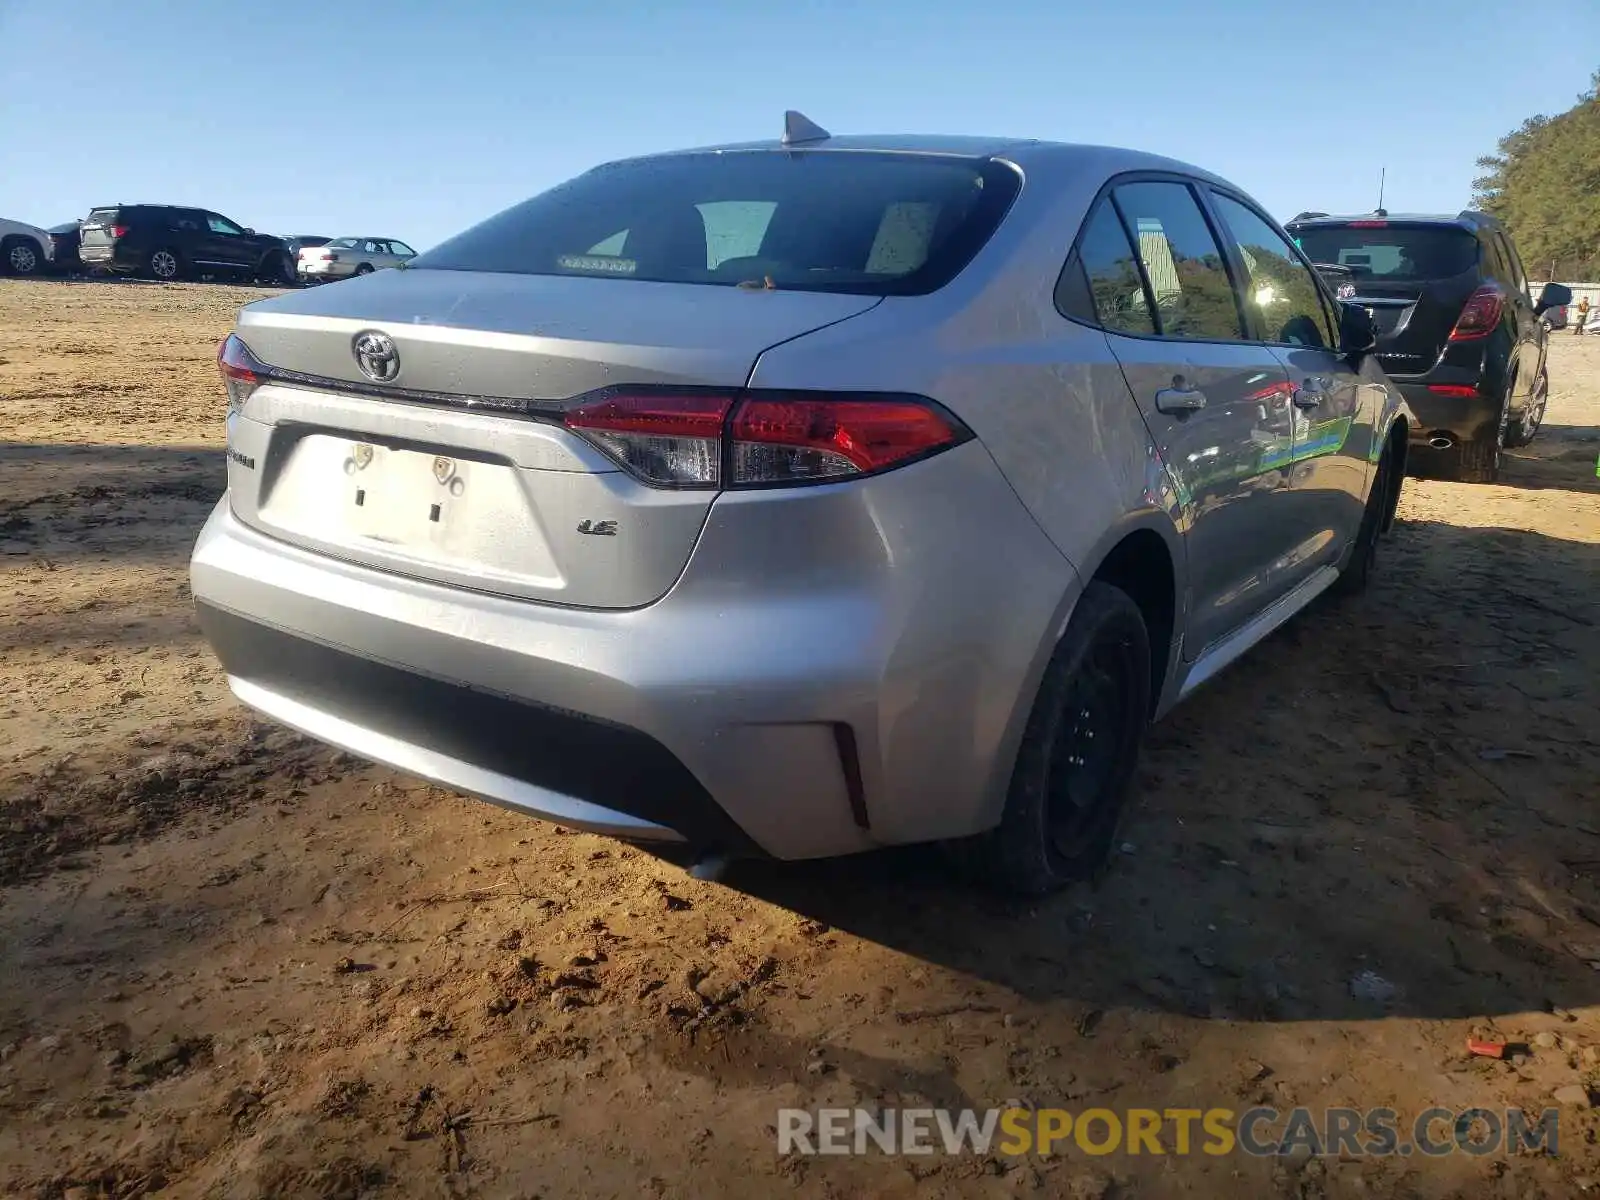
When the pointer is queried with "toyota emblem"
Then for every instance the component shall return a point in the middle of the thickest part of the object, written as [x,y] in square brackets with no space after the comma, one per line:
[375,355]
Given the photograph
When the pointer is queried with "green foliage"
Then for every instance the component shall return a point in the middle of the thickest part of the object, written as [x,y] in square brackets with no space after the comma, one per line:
[1545,185]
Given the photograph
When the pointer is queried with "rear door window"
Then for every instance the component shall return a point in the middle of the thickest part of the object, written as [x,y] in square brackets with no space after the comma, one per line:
[1493,255]
[1183,265]
[1281,298]
[184,220]
[1517,276]
[863,223]
[1102,284]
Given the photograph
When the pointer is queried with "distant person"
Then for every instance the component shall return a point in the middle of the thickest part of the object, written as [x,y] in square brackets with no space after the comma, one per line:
[1583,315]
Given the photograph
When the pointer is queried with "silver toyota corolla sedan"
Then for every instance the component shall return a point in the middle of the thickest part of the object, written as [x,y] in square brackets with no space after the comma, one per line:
[801,497]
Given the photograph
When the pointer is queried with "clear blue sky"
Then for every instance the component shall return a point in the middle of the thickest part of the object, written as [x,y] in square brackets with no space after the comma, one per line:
[415,119]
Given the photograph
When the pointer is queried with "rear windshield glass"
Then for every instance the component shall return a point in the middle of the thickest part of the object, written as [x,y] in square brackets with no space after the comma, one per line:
[100,216]
[875,224]
[1391,252]
[343,243]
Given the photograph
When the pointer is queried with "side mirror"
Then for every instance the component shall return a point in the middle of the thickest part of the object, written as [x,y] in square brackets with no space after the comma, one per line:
[1552,295]
[250,232]
[1357,333]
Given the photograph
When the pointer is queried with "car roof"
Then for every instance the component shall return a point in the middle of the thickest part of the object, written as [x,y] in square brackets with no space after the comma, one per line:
[143,204]
[1022,151]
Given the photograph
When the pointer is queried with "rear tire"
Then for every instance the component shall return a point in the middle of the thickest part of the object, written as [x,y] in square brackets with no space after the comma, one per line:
[276,271]
[1477,461]
[1533,415]
[364,269]
[1078,752]
[21,256]
[164,265]
[1363,562]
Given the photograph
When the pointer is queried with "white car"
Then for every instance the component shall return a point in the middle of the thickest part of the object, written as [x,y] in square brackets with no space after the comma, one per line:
[24,249]
[347,256]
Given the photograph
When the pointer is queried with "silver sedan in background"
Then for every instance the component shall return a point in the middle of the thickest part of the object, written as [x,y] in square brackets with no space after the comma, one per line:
[347,256]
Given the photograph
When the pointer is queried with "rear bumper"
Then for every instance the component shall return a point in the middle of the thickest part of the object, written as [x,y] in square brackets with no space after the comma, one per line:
[844,671]
[1459,418]
[110,258]
[516,752]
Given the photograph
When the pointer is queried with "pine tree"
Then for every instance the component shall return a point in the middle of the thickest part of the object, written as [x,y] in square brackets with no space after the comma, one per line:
[1545,185]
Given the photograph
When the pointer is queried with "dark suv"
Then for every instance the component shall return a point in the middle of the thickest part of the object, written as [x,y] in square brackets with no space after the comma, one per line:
[167,241]
[1457,329]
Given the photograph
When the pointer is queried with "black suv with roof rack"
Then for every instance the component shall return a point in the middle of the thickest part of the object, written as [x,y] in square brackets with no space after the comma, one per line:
[1457,329]
[170,241]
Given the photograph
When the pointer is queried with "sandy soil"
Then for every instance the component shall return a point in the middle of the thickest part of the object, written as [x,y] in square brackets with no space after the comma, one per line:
[235,964]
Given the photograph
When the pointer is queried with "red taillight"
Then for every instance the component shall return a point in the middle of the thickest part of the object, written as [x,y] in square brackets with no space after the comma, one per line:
[1480,316]
[119,231]
[1366,224]
[241,370]
[1458,390]
[796,439]
[688,438]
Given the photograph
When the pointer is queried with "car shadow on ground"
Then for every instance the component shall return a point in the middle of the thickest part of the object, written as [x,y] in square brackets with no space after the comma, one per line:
[1387,809]
[63,502]
[1560,458]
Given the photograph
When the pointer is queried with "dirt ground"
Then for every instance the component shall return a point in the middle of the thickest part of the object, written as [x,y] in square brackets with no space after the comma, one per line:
[234,964]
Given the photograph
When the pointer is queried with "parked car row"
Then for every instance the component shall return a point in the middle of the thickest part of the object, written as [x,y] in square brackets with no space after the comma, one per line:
[1016,443]
[169,242]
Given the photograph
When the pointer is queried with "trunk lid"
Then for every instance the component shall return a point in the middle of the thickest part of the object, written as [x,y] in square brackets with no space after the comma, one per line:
[96,228]
[421,476]
[1414,320]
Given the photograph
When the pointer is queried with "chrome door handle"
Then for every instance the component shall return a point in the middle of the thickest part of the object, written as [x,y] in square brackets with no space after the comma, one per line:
[1174,400]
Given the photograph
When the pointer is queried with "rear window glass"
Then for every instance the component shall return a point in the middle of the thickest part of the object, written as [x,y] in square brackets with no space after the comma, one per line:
[1392,252]
[875,224]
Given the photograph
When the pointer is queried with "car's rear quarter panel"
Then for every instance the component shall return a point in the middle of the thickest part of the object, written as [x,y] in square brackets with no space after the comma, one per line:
[1043,394]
